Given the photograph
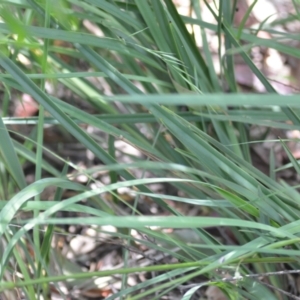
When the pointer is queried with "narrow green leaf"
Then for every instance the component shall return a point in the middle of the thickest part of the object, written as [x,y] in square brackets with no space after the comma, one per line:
[10,157]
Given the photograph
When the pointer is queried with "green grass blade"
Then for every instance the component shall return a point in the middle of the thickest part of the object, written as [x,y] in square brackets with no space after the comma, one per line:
[10,157]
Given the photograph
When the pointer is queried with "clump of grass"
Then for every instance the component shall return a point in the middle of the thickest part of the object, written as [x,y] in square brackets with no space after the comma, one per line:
[144,53]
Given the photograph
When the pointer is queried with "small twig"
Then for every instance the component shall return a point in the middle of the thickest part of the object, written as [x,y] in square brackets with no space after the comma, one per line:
[284,84]
[280,290]
[240,277]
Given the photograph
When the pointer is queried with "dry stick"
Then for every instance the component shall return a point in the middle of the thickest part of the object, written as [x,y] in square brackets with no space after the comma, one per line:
[240,277]
[284,84]
[280,290]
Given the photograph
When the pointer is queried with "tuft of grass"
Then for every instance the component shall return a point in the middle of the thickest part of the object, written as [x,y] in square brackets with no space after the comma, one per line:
[135,64]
